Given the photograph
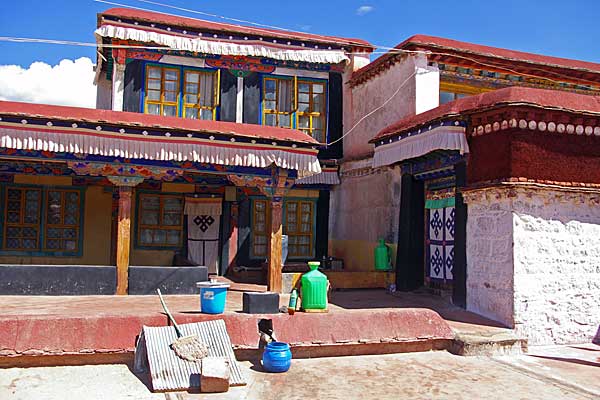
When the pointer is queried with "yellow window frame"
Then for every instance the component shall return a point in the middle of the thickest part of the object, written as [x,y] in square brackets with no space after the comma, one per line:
[162,102]
[62,224]
[22,223]
[269,111]
[216,92]
[160,226]
[312,113]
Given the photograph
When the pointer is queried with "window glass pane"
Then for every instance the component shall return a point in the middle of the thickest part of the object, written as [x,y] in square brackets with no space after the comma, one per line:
[285,95]
[153,109]
[303,97]
[160,236]
[149,217]
[154,72]
[207,89]
[171,97]
[173,237]
[270,120]
[318,135]
[172,203]
[206,114]
[153,84]
[171,75]
[317,123]
[284,120]
[70,245]
[269,105]
[170,86]
[303,107]
[303,122]
[317,102]
[170,111]
[146,236]
[191,77]
[29,244]
[191,113]
[191,99]
[154,95]
[171,219]
[303,87]
[318,88]
[151,202]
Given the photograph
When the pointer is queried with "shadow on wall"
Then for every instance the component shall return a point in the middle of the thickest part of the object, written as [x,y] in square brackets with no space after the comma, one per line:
[597,338]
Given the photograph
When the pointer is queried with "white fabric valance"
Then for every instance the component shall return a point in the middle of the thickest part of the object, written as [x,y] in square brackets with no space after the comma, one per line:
[439,138]
[152,148]
[326,177]
[203,206]
[222,48]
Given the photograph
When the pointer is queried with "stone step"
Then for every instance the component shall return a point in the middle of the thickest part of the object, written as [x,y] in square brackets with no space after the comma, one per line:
[495,343]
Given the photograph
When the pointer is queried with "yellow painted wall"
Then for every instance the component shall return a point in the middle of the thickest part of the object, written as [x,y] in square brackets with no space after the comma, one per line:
[96,230]
[358,255]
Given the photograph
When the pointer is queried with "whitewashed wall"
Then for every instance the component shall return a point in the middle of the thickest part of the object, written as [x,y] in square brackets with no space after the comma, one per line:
[547,242]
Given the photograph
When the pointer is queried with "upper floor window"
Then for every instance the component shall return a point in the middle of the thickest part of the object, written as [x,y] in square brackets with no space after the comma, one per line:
[447,97]
[295,103]
[174,91]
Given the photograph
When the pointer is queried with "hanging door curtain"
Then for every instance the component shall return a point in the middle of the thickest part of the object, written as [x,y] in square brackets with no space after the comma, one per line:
[203,219]
[440,213]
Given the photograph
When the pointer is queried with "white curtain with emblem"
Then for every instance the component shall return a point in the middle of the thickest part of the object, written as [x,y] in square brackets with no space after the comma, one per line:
[203,222]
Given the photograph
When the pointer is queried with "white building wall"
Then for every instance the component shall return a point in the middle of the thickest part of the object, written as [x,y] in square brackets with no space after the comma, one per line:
[554,238]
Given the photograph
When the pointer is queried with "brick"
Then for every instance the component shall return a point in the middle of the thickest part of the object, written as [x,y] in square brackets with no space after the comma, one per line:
[214,376]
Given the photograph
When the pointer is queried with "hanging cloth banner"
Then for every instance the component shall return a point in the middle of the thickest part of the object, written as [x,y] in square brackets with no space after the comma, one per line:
[203,219]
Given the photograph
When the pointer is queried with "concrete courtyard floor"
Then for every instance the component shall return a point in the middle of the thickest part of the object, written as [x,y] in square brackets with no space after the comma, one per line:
[560,372]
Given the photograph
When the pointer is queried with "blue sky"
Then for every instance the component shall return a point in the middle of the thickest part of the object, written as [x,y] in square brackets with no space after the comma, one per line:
[559,28]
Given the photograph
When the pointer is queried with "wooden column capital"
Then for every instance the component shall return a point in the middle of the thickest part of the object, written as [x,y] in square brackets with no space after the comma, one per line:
[125,181]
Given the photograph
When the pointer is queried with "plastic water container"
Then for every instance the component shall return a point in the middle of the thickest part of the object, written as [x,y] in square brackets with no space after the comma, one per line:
[314,288]
[277,357]
[213,296]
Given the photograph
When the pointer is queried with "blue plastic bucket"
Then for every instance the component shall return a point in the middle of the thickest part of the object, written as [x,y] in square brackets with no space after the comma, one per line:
[277,357]
[213,296]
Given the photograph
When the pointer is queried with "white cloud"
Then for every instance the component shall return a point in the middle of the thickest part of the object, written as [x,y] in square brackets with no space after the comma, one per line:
[69,83]
[362,10]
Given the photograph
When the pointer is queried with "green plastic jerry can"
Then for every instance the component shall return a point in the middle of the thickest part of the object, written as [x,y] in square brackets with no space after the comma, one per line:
[314,288]
[382,257]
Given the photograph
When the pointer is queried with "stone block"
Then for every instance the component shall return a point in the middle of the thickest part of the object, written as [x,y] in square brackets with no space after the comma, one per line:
[214,377]
[260,303]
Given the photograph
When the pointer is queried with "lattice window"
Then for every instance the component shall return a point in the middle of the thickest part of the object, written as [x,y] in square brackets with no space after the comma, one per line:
[299,226]
[22,219]
[62,220]
[160,220]
[200,94]
[162,91]
[311,109]
[37,219]
[278,102]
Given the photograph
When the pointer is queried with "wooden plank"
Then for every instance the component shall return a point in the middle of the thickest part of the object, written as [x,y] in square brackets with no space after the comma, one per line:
[123,239]
[274,247]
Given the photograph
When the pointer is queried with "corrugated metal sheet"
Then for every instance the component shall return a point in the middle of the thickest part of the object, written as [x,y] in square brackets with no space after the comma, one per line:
[169,372]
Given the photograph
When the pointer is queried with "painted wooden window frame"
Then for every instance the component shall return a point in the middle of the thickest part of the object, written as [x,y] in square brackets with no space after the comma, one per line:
[294,113]
[266,233]
[43,223]
[298,203]
[181,103]
[162,103]
[139,244]
[313,114]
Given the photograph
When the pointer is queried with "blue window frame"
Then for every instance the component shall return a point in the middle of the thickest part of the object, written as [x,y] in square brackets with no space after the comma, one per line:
[42,220]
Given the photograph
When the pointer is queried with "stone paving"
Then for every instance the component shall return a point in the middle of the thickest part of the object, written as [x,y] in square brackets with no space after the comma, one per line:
[569,372]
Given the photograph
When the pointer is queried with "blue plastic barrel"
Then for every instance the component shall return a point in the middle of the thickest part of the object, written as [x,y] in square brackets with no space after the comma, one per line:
[213,296]
[277,357]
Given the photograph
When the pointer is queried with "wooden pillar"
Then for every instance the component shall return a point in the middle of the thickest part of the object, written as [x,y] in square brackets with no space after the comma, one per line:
[123,239]
[233,236]
[274,248]
[125,185]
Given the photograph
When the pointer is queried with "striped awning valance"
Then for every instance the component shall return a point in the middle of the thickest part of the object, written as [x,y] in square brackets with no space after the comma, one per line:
[115,144]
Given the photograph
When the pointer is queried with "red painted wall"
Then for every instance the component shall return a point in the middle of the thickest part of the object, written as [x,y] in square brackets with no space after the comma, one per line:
[535,155]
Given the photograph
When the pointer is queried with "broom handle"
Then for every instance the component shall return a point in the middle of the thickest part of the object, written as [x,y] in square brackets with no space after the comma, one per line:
[168,313]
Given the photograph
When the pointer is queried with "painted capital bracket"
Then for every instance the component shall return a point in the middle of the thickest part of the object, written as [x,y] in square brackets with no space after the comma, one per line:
[124,170]
[274,186]
[125,181]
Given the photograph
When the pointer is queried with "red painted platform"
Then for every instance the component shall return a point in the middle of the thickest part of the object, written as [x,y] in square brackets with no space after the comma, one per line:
[364,322]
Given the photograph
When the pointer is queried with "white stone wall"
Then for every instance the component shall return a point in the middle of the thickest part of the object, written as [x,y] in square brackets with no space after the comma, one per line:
[554,238]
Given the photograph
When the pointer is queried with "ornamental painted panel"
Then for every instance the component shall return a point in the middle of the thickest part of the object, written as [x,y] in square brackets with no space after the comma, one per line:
[440,243]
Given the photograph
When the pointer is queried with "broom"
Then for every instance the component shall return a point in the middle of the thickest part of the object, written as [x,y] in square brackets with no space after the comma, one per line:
[188,348]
